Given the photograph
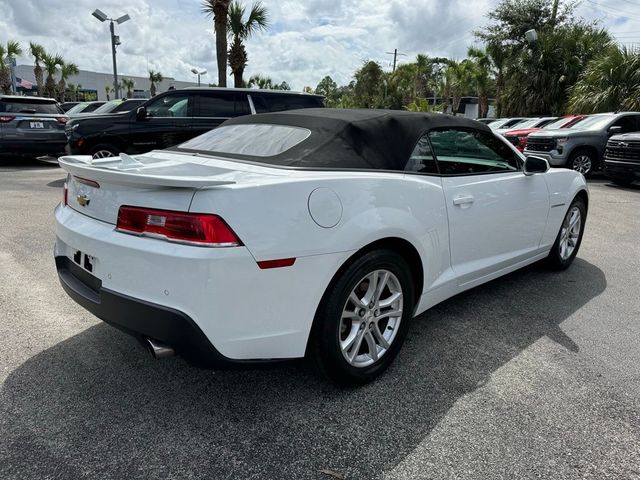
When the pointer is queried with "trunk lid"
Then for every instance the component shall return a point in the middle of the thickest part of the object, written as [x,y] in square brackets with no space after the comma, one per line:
[163,180]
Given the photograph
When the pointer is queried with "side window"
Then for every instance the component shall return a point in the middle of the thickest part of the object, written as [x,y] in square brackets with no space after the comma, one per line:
[259,103]
[242,105]
[169,106]
[421,159]
[217,105]
[629,123]
[464,152]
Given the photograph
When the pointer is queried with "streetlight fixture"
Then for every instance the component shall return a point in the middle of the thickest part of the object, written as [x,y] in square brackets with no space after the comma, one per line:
[198,73]
[115,41]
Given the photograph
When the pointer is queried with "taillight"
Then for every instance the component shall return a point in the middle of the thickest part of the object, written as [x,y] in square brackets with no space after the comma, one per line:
[62,119]
[65,195]
[191,228]
[6,118]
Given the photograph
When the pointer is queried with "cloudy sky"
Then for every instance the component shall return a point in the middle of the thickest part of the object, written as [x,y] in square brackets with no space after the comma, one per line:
[307,40]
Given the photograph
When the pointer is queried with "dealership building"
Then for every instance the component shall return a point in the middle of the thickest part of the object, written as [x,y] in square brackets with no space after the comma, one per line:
[92,84]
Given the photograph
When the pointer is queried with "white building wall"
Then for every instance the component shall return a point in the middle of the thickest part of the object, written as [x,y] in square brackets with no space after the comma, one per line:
[97,81]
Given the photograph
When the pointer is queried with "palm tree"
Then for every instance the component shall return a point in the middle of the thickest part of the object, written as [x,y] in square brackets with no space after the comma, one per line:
[66,70]
[481,75]
[499,56]
[51,64]
[107,91]
[424,71]
[219,10]
[261,82]
[129,84]
[241,30]
[154,77]
[11,51]
[609,83]
[37,52]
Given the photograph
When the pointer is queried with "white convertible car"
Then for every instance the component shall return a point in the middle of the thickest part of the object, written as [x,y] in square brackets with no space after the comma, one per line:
[317,232]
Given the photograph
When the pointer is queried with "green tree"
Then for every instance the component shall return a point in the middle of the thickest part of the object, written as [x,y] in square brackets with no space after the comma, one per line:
[610,82]
[154,77]
[10,51]
[369,87]
[481,77]
[261,82]
[66,70]
[38,52]
[128,84]
[240,30]
[107,91]
[219,11]
[51,64]
[329,89]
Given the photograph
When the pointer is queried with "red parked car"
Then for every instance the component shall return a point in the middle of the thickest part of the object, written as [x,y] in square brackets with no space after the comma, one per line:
[519,137]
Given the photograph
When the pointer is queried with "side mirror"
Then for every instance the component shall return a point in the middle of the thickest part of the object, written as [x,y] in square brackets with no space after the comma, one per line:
[141,113]
[533,165]
[615,130]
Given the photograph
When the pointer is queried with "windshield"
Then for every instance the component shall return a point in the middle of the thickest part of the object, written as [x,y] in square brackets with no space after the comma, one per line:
[557,124]
[78,108]
[266,140]
[108,107]
[528,123]
[595,122]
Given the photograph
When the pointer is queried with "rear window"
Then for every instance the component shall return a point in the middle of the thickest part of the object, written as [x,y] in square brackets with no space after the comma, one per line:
[255,140]
[29,106]
[279,103]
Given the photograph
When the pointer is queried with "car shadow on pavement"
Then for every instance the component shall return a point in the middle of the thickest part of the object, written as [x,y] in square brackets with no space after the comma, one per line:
[96,405]
[15,163]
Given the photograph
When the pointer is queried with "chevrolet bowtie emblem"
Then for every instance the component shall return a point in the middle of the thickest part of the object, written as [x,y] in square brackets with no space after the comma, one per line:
[83,200]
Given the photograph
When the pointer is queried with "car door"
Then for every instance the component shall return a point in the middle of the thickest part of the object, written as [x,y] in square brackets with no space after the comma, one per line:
[214,107]
[497,215]
[167,123]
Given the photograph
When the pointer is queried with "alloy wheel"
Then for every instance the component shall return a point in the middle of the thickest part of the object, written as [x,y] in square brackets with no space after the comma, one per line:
[570,232]
[103,154]
[371,318]
[582,164]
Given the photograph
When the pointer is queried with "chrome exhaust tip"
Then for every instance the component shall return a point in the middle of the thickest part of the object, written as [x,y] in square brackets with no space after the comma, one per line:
[159,350]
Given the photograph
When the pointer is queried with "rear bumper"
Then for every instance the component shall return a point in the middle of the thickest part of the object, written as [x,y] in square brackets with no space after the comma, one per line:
[32,147]
[139,318]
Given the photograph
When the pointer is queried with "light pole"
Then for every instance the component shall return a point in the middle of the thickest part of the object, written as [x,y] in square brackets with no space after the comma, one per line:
[198,73]
[115,41]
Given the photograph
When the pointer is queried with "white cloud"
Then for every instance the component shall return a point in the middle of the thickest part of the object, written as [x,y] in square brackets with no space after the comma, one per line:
[307,40]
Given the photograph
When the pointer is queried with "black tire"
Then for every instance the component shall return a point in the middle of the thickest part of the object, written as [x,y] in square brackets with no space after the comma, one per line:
[578,159]
[104,147]
[555,259]
[324,349]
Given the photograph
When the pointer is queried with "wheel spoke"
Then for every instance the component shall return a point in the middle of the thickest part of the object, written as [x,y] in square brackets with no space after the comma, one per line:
[380,287]
[371,343]
[354,346]
[389,314]
[381,340]
[387,302]
[356,300]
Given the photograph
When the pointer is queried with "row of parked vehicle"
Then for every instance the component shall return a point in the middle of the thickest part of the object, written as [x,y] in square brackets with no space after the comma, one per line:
[585,143]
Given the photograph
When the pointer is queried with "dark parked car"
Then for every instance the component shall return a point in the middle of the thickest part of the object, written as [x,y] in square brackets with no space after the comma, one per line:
[31,126]
[622,158]
[174,117]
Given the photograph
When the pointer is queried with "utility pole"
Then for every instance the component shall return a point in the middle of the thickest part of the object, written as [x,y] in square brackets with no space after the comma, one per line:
[113,56]
[395,57]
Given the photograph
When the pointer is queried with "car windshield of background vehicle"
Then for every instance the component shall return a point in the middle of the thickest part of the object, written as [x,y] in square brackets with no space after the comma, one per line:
[21,106]
[266,140]
[528,123]
[461,152]
[78,108]
[558,123]
[108,107]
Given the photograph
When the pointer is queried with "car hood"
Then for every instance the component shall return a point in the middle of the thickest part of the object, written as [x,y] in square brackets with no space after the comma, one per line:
[565,132]
[103,117]
[634,136]
[521,132]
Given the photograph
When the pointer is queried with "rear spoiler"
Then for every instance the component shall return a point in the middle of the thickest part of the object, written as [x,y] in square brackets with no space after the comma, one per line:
[143,172]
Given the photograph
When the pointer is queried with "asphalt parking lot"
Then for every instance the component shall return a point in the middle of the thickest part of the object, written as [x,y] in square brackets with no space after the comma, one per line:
[534,375]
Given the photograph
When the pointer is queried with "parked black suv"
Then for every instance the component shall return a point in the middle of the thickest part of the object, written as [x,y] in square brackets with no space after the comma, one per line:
[31,126]
[174,117]
[622,158]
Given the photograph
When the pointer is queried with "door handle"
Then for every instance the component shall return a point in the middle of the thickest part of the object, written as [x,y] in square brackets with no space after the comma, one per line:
[462,199]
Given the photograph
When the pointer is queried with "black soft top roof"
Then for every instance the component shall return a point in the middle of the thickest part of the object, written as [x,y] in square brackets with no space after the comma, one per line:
[350,138]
